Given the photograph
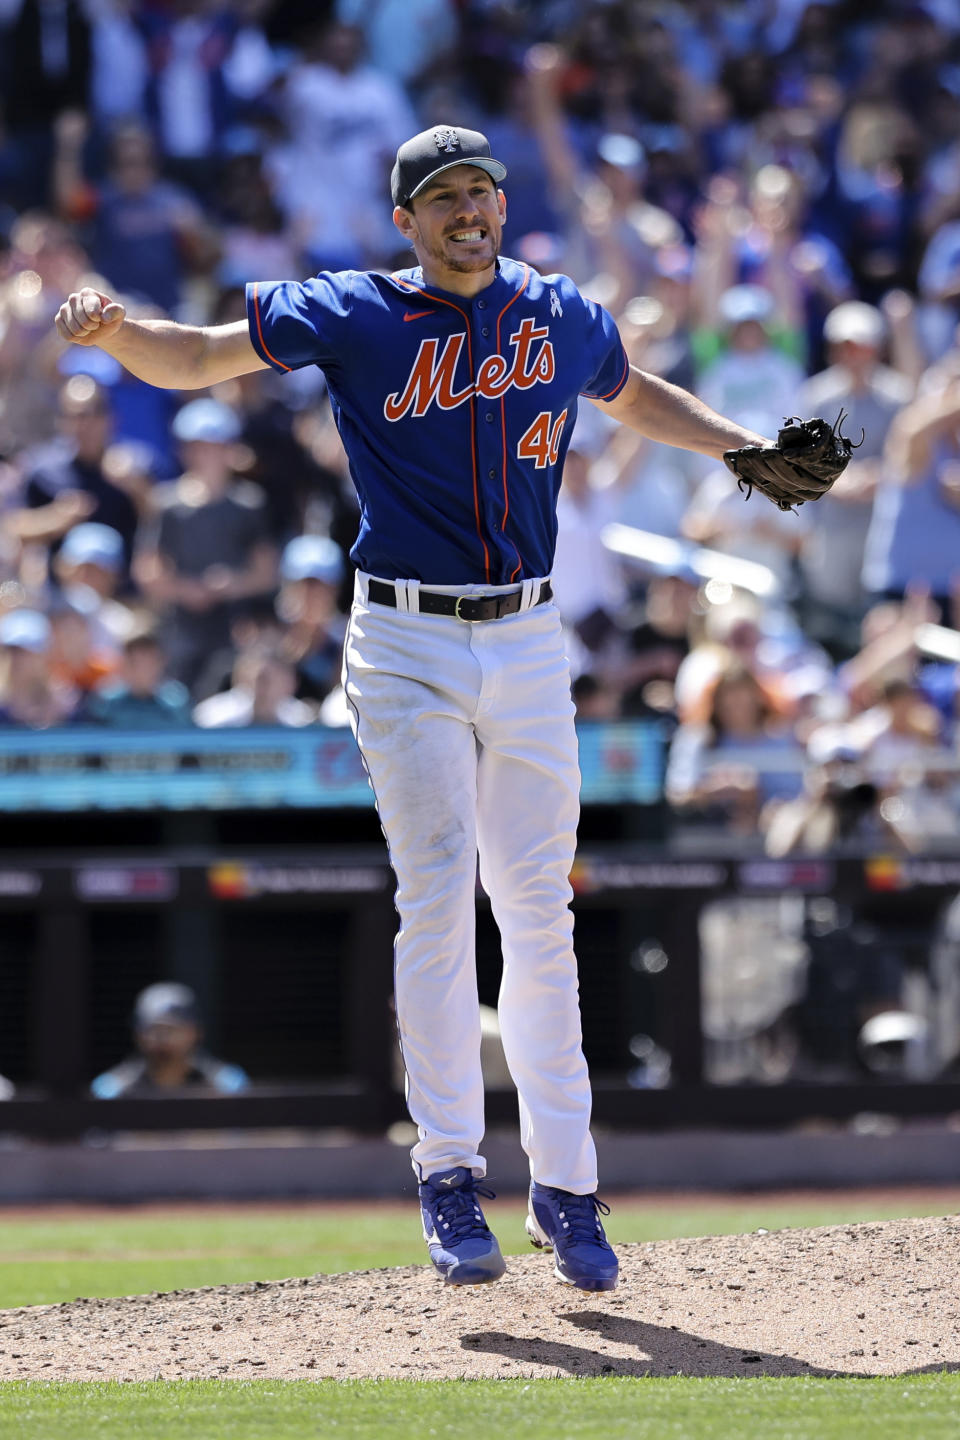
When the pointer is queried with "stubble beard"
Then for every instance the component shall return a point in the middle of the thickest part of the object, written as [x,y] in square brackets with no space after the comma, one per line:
[441,254]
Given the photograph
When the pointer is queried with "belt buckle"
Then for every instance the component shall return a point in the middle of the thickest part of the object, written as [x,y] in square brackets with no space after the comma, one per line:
[456,610]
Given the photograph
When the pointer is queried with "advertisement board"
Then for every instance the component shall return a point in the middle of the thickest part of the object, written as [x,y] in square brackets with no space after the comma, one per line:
[84,768]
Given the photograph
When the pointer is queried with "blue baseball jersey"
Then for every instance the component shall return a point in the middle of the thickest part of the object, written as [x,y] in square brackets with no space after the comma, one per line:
[455,412]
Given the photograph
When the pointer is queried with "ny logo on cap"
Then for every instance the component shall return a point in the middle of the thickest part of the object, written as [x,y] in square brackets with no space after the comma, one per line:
[446,139]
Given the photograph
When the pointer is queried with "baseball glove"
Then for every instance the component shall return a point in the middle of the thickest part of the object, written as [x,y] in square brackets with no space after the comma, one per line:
[807,458]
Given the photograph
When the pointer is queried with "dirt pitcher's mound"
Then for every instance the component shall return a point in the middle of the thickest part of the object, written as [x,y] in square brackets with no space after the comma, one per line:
[879,1299]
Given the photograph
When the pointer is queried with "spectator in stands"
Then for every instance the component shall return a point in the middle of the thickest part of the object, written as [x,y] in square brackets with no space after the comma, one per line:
[903,730]
[70,480]
[404,38]
[914,535]
[344,123]
[593,698]
[29,697]
[140,697]
[659,642]
[729,629]
[668,351]
[740,756]
[653,481]
[535,223]
[89,567]
[612,229]
[43,264]
[254,238]
[877,173]
[939,286]
[803,269]
[839,803]
[751,376]
[941,169]
[764,637]
[208,550]
[938,376]
[188,94]
[142,450]
[297,485]
[146,234]
[80,659]
[264,681]
[45,70]
[168,1034]
[888,649]
[118,64]
[311,570]
[870,394]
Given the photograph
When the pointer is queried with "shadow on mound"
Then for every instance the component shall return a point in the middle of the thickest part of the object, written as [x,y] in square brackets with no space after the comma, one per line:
[660,1350]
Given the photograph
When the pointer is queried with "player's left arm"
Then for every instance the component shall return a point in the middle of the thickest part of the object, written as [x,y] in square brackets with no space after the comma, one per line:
[667,413]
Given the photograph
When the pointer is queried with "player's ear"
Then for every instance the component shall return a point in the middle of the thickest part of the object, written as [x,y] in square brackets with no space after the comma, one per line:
[502,205]
[406,223]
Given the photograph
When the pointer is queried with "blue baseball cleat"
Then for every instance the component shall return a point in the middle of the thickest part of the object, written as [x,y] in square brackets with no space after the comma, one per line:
[461,1246]
[569,1225]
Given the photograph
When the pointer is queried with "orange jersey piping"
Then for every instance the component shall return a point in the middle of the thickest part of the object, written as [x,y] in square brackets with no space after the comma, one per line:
[263,343]
[503,425]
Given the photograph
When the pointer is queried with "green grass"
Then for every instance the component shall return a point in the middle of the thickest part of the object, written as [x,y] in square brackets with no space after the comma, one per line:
[48,1258]
[921,1408]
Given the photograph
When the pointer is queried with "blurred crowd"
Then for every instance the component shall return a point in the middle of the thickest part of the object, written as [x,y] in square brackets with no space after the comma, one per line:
[765,193]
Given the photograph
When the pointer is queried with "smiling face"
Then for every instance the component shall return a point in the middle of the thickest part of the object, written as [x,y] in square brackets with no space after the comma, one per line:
[455,225]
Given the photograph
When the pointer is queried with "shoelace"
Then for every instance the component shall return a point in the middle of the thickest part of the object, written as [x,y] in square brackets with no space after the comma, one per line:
[459,1213]
[580,1216]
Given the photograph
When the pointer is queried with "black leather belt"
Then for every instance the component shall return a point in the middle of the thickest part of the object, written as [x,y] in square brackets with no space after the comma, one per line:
[463,607]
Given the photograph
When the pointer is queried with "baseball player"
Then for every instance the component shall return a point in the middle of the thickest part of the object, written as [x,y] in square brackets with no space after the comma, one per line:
[455,385]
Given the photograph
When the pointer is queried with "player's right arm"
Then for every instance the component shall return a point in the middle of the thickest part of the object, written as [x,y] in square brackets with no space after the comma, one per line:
[161,352]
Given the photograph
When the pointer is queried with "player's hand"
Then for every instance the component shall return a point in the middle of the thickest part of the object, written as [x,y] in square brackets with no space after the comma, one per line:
[88,317]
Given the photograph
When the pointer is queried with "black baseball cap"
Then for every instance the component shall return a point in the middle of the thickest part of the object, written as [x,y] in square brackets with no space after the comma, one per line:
[169,1004]
[437,149]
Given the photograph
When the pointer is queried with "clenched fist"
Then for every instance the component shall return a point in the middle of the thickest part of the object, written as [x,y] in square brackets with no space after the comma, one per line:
[88,318]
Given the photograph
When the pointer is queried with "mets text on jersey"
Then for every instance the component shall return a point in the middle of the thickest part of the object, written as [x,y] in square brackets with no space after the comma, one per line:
[433,374]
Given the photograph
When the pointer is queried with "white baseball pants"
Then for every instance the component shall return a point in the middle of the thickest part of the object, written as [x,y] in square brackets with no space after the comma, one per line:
[467,733]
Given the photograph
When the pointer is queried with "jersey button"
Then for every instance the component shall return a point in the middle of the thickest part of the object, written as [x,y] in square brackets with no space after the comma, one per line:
[485,330]
[489,417]
[492,473]
[481,304]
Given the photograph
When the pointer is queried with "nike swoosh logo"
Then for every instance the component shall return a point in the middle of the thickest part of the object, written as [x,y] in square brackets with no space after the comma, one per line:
[419,314]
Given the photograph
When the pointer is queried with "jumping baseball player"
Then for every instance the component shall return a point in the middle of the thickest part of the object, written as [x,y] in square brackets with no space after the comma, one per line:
[455,386]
